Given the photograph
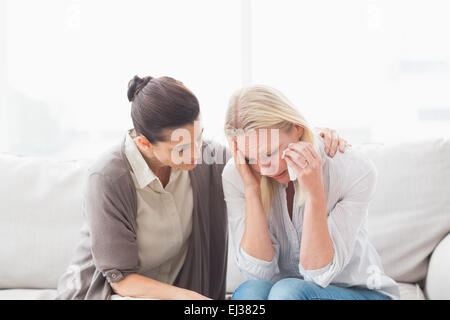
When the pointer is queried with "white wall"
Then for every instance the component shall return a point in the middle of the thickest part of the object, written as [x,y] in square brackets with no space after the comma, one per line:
[3,109]
[376,70]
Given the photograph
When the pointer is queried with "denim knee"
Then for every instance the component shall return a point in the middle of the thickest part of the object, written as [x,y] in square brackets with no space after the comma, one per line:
[292,289]
[253,290]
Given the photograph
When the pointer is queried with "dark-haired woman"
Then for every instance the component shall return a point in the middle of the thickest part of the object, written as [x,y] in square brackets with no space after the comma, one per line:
[155,221]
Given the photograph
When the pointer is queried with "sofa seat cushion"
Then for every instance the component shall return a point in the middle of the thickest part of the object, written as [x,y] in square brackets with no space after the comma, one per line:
[27,294]
[410,291]
[407,292]
[437,285]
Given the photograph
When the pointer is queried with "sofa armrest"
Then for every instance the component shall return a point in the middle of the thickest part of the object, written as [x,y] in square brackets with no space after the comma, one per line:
[437,283]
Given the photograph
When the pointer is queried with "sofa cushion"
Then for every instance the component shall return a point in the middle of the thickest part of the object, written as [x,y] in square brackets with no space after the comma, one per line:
[27,294]
[437,284]
[410,212]
[40,215]
[407,292]
[410,291]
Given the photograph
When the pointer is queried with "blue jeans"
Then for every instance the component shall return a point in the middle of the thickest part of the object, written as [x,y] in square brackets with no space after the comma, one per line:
[298,289]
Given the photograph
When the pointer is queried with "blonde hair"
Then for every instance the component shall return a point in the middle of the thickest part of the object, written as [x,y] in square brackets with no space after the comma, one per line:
[263,107]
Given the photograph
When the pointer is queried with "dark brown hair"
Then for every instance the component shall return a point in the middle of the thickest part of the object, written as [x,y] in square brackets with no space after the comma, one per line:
[160,103]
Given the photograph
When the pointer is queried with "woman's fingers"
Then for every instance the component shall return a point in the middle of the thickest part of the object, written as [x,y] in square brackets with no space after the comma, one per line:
[305,149]
[327,142]
[240,162]
[299,158]
[342,144]
[238,157]
[231,143]
[334,143]
[292,163]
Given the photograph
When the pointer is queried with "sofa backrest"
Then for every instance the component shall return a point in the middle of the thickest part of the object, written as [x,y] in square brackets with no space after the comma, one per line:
[410,212]
[40,219]
[40,213]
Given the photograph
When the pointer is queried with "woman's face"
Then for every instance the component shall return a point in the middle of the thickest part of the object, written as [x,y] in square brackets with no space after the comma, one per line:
[263,149]
[181,148]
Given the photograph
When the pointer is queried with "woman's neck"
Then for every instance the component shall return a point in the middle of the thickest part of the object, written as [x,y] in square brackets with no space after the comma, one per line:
[160,170]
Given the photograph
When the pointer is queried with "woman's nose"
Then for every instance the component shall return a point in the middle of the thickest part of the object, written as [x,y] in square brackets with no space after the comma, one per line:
[265,169]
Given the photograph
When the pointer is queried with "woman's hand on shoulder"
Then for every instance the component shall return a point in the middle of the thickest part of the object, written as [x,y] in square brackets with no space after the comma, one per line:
[332,141]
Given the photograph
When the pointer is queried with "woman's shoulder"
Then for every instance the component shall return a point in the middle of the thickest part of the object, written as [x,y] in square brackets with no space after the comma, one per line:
[111,165]
[353,161]
[351,172]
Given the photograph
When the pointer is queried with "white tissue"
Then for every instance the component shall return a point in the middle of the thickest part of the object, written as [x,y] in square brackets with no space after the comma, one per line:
[291,172]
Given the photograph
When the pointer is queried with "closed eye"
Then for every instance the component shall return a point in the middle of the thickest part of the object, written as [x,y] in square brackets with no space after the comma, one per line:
[273,153]
[250,160]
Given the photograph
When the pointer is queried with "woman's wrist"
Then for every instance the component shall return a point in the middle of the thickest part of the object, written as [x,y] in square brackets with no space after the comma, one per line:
[314,198]
[252,192]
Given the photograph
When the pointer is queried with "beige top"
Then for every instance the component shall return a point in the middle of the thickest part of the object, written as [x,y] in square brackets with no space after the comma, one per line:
[164,217]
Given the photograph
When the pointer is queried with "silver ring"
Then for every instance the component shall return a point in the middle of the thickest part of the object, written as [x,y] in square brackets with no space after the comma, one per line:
[306,164]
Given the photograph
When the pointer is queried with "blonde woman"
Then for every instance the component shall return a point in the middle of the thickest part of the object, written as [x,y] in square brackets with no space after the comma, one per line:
[301,239]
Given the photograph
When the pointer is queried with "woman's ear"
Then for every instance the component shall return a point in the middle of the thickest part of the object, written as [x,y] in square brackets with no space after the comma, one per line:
[298,131]
[143,143]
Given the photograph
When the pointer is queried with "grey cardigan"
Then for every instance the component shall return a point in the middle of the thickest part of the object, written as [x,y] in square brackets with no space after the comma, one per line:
[108,250]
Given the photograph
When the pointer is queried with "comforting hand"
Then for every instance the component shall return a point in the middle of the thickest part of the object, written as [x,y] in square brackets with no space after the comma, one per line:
[250,178]
[332,141]
[307,165]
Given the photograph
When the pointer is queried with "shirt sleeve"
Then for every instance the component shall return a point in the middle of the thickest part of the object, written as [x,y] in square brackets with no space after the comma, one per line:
[356,178]
[250,267]
[107,209]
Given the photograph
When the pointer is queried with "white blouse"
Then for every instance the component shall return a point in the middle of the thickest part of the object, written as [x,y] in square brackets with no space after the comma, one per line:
[164,217]
[349,181]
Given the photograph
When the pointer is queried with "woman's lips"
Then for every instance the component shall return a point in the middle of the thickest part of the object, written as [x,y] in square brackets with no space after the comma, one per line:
[280,175]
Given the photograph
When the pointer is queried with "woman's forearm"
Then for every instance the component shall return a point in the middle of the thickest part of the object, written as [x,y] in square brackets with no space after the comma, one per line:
[256,238]
[138,286]
[316,246]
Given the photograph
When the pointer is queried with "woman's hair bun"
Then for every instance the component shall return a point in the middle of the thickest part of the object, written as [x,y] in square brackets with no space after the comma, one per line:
[135,85]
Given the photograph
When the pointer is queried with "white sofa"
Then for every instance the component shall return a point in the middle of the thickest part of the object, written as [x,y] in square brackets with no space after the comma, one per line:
[409,220]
